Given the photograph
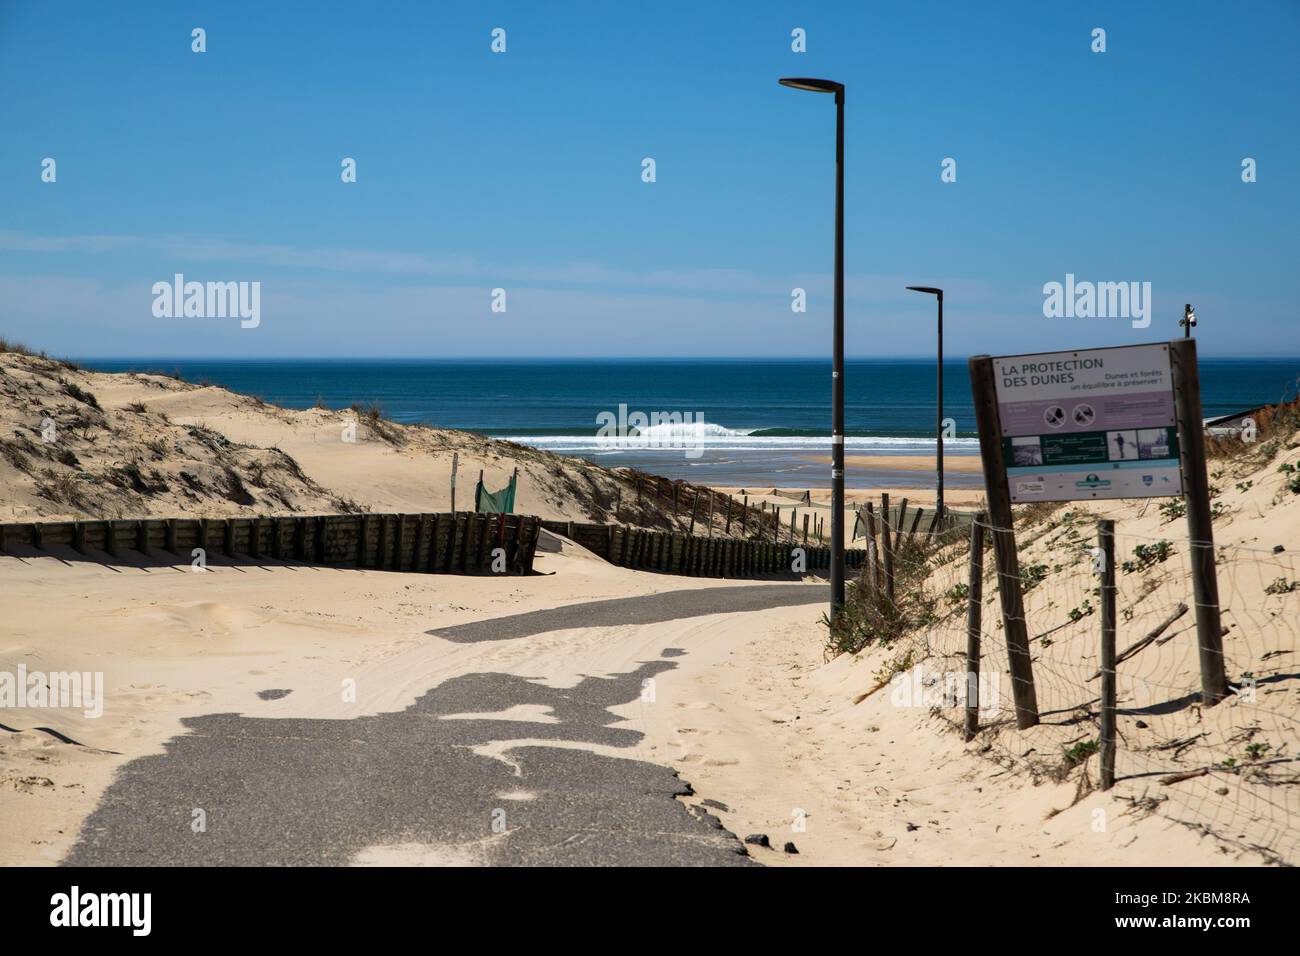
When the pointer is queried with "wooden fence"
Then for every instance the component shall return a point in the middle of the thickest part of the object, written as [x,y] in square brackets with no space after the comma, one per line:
[696,555]
[460,542]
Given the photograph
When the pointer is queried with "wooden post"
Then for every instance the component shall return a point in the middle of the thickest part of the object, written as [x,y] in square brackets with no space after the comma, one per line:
[676,486]
[794,512]
[884,519]
[744,515]
[728,515]
[484,534]
[873,562]
[974,621]
[455,462]
[1200,527]
[916,521]
[465,561]
[887,547]
[436,556]
[710,512]
[805,529]
[170,543]
[421,532]
[1106,540]
[694,501]
[79,537]
[902,522]
[984,392]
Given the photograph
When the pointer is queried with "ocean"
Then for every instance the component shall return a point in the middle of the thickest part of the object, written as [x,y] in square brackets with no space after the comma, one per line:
[765,422]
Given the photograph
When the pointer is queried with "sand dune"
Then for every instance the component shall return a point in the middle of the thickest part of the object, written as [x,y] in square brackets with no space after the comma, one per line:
[129,445]
[749,710]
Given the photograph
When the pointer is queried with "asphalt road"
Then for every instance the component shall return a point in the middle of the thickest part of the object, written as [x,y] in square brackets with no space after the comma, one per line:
[323,792]
[647,609]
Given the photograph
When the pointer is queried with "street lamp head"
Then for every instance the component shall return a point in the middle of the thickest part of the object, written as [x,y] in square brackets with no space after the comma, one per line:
[926,288]
[815,86]
[1189,315]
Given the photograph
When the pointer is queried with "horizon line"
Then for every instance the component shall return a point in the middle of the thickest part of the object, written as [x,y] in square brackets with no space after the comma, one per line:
[600,358]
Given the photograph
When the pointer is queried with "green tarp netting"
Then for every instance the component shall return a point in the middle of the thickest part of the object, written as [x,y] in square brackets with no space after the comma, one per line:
[495,502]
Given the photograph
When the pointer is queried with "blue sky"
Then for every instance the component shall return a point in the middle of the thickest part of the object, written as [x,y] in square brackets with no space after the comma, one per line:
[522,171]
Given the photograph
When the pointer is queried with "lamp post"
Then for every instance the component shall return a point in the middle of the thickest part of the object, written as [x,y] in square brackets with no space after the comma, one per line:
[837,373]
[1188,320]
[938,415]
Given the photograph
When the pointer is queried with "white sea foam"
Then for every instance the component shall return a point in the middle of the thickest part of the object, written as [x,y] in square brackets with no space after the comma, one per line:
[690,430]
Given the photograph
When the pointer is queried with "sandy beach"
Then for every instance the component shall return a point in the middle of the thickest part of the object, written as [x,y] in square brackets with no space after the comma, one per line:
[952,464]
[744,704]
[749,714]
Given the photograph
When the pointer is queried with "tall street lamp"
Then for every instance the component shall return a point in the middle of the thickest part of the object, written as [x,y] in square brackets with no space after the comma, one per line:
[938,415]
[837,373]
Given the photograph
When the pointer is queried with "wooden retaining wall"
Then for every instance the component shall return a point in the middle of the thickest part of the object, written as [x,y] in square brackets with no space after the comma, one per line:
[696,555]
[445,543]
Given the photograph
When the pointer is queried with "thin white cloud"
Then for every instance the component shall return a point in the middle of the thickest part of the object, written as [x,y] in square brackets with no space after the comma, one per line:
[712,282]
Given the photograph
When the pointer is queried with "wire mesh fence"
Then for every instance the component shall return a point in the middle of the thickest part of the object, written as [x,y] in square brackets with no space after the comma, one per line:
[1231,770]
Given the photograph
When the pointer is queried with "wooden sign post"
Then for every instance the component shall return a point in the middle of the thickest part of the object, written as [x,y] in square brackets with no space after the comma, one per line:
[1200,528]
[1091,424]
[1005,556]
